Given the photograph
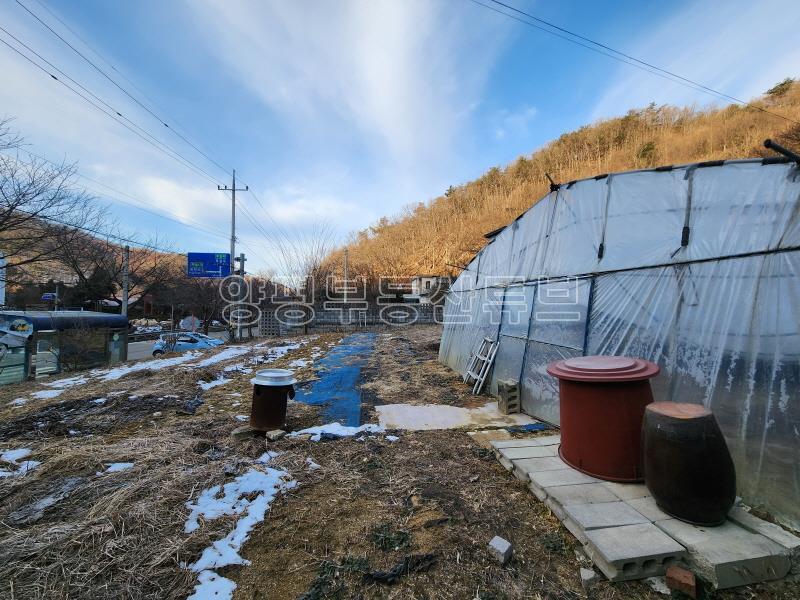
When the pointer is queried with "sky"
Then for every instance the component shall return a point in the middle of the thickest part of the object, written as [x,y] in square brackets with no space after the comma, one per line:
[338,113]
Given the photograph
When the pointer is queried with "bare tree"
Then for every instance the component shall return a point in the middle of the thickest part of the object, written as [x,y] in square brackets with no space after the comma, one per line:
[148,268]
[41,210]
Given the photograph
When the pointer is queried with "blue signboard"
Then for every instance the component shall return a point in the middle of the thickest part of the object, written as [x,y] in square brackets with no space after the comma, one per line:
[47,297]
[208,264]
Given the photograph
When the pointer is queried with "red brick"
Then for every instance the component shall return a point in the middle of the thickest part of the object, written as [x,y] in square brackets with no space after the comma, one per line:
[682,580]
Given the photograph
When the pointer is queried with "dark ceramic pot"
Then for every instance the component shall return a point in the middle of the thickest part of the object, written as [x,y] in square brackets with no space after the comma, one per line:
[687,466]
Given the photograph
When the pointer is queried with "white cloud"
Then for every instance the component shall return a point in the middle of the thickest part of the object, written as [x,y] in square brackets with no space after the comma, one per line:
[396,78]
[514,122]
[741,48]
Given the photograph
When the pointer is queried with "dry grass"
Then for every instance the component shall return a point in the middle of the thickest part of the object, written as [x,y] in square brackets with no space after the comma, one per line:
[121,535]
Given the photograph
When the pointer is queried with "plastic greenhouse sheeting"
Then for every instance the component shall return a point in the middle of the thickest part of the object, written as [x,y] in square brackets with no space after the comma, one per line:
[696,268]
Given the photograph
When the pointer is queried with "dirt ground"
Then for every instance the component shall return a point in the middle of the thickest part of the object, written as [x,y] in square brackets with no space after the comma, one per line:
[406,519]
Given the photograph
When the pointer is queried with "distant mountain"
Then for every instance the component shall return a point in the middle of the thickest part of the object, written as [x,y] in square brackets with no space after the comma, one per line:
[431,237]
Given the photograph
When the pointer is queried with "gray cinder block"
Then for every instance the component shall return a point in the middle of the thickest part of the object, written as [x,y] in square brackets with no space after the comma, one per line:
[501,549]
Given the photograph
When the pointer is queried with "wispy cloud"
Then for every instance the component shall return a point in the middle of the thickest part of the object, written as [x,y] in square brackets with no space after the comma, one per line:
[727,49]
[514,122]
[396,78]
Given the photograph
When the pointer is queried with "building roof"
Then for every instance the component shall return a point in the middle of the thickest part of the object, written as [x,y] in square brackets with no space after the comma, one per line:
[43,320]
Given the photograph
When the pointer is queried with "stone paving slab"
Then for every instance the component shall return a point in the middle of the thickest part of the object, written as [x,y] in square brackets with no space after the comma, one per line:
[545,440]
[647,506]
[769,530]
[524,466]
[604,514]
[628,536]
[540,482]
[632,551]
[728,555]
[627,491]
[507,455]
[564,495]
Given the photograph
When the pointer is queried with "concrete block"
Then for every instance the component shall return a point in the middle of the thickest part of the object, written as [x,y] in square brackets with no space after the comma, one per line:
[563,495]
[632,551]
[485,438]
[603,514]
[728,555]
[628,491]
[769,530]
[524,466]
[500,549]
[682,580]
[540,482]
[275,435]
[647,506]
[589,578]
[529,452]
[546,440]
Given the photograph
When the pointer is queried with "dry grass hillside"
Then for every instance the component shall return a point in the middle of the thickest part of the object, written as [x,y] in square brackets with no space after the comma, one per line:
[448,230]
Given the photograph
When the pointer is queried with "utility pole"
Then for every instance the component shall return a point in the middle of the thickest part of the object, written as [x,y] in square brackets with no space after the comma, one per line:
[241,260]
[346,283]
[126,255]
[233,189]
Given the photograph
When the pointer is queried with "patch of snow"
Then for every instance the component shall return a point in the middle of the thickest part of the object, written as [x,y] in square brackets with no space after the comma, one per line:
[338,430]
[235,394]
[18,402]
[207,385]
[156,364]
[299,363]
[242,417]
[268,456]
[47,394]
[418,417]
[392,438]
[235,404]
[116,467]
[659,585]
[100,401]
[74,432]
[234,498]
[68,382]
[312,466]
[239,368]
[211,586]
[226,354]
[12,456]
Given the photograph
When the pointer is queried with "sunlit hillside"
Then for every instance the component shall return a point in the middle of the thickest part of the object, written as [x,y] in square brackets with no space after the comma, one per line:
[433,236]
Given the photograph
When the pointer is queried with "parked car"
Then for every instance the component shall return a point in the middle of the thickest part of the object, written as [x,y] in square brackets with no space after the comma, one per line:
[181,342]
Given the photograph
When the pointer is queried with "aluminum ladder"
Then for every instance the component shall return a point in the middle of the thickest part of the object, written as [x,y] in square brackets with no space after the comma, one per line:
[480,363]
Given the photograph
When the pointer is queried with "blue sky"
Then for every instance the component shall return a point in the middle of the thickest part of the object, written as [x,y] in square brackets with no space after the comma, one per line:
[343,112]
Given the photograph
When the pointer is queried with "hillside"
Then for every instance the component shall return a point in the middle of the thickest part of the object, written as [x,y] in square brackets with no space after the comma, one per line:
[432,237]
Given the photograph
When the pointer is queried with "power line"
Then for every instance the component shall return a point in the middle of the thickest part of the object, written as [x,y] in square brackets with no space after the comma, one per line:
[188,223]
[92,94]
[178,157]
[620,56]
[118,86]
[183,159]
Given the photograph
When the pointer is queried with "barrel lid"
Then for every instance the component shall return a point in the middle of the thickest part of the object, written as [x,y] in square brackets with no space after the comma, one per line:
[274,377]
[679,410]
[603,368]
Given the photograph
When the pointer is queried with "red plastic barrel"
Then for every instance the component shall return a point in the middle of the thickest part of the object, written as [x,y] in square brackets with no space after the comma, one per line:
[602,402]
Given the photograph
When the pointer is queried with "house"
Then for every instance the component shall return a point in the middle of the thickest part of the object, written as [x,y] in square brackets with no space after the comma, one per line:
[430,289]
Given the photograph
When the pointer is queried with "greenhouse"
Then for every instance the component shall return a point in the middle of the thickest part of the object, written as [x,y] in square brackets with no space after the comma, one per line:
[694,267]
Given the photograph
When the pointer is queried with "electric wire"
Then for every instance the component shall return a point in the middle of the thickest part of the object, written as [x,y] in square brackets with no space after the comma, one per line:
[118,86]
[177,158]
[620,56]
